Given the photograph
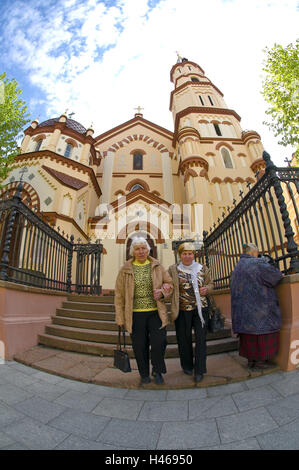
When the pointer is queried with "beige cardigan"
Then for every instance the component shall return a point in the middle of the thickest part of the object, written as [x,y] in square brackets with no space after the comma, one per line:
[124,293]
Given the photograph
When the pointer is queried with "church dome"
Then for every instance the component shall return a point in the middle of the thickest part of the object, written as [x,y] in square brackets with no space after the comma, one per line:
[70,123]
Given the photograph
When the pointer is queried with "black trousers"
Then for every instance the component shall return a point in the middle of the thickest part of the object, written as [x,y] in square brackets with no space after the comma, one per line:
[147,333]
[185,322]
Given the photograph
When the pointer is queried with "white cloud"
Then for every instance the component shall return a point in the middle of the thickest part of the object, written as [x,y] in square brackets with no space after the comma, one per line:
[102,61]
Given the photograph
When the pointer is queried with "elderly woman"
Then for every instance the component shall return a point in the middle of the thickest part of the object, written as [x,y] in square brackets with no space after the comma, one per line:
[141,286]
[256,317]
[189,309]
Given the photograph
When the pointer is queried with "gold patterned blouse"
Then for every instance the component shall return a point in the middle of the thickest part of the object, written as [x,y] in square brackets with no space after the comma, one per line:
[143,292]
[187,297]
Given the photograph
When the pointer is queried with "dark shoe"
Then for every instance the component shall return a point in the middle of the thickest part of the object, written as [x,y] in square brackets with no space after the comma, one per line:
[188,372]
[198,377]
[263,365]
[145,380]
[158,379]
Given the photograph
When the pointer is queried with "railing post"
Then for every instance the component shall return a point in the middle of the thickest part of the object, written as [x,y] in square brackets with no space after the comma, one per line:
[69,265]
[206,254]
[8,235]
[292,247]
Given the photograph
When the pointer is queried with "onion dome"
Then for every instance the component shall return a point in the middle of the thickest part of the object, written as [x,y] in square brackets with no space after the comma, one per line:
[70,123]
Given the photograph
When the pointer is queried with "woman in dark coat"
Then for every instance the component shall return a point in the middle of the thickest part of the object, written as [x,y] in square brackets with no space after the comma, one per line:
[256,316]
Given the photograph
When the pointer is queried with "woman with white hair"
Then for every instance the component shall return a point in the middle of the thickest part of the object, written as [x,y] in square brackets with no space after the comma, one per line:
[141,287]
[256,317]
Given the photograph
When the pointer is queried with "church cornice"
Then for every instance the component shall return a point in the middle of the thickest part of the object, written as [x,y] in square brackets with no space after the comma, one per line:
[100,139]
[64,161]
[186,84]
[200,110]
[182,64]
[190,161]
[83,139]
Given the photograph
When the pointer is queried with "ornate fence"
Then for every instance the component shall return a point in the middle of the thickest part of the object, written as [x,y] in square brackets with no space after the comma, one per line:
[261,217]
[34,254]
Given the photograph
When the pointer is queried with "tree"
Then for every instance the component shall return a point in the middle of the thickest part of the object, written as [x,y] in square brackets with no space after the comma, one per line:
[13,117]
[281,91]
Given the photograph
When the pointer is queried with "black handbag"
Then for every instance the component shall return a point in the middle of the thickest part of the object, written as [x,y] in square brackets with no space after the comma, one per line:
[216,320]
[121,357]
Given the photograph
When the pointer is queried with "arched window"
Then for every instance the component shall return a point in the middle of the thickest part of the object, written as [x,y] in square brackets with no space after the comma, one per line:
[194,79]
[135,187]
[68,150]
[38,145]
[137,161]
[227,159]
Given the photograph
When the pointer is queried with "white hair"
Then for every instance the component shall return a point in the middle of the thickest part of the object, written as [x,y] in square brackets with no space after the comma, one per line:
[249,248]
[138,241]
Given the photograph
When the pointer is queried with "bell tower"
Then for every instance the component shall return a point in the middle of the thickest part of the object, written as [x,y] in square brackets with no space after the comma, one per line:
[216,156]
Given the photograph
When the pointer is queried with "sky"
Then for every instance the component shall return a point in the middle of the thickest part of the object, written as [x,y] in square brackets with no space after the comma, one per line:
[100,59]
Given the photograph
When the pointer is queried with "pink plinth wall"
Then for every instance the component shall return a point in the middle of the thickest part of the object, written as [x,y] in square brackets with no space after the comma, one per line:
[288,297]
[24,313]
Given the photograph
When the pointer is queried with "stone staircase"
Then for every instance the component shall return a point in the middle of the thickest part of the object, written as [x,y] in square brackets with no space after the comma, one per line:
[85,324]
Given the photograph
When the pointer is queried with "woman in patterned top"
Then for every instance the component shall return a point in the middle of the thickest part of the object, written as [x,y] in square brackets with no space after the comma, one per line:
[189,309]
[141,286]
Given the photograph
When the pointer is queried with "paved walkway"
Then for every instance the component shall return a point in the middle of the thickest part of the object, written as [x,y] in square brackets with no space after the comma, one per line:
[39,410]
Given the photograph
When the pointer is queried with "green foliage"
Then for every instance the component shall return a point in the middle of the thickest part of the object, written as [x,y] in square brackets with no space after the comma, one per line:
[281,91]
[13,117]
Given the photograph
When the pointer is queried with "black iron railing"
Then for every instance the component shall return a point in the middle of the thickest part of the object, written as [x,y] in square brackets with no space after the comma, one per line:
[261,217]
[35,254]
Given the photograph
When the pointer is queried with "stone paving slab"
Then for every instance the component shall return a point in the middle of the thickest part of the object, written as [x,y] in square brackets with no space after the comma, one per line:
[34,435]
[256,398]
[243,425]
[12,394]
[284,438]
[248,444]
[86,425]
[46,390]
[119,408]
[80,401]
[5,441]
[131,434]
[188,435]
[289,385]
[286,410]
[78,443]
[211,408]
[8,415]
[164,411]
[39,409]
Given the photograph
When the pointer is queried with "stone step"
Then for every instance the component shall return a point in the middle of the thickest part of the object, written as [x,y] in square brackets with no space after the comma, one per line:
[106,299]
[102,349]
[85,314]
[98,336]
[90,306]
[112,326]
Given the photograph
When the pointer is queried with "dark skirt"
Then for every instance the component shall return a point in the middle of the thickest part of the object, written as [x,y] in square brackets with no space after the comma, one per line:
[259,347]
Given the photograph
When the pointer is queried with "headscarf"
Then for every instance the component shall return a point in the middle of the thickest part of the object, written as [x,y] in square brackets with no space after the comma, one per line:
[193,269]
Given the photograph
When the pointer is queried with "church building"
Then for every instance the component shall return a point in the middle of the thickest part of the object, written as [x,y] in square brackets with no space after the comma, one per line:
[140,177]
